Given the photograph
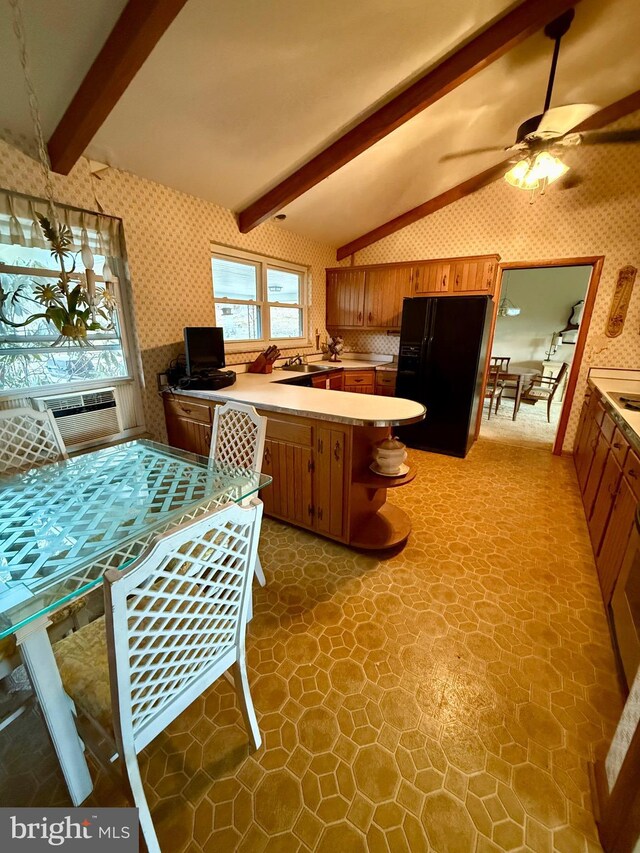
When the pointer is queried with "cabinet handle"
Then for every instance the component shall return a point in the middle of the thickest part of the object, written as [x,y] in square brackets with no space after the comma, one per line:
[185,410]
[444,282]
[310,466]
[370,316]
[617,445]
[336,451]
[320,513]
[631,472]
[320,446]
[267,456]
[359,315]
[359,379]
[310,510]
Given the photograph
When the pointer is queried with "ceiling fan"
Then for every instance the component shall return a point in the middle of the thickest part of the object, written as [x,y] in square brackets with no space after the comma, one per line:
[541,138]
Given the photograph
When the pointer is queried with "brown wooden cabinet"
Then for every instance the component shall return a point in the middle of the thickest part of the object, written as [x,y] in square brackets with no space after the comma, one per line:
[345,297]
[188,424]
[359,381]
[329,481]
[430,278]
[384,292]
[385,383]
[608,471]
[371,297]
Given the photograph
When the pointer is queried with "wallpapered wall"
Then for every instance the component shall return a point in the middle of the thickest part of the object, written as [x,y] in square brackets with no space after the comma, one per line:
[168,236]
[601,216]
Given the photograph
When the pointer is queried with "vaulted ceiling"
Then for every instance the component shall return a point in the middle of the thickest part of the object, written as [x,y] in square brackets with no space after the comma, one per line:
[235,96]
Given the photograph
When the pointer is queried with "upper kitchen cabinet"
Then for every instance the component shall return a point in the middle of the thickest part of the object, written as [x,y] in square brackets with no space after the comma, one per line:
[345,297]
[371,297]
[385,288]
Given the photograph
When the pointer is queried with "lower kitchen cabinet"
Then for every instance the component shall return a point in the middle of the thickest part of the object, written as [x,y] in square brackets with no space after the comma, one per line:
[309,462]
[608,472]
[359,381]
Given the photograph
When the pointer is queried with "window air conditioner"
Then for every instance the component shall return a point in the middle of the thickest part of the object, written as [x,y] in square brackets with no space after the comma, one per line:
[85,416]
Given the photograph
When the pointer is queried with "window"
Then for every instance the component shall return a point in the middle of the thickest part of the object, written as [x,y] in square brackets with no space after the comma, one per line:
[258,299]
[28,358]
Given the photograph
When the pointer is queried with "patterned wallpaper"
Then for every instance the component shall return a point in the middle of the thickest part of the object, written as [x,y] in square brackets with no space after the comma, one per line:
[168,236]
[601,216]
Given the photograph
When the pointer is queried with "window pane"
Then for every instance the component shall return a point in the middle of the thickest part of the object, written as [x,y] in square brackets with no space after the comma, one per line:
[234,279]
[286,322]
[239,322]
[283,286]
[28,358]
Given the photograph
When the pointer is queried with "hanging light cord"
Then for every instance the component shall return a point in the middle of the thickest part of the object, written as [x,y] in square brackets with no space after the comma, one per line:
[45,165]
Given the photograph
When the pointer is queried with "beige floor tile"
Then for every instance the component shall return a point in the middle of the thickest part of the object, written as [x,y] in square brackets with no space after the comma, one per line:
[447,697]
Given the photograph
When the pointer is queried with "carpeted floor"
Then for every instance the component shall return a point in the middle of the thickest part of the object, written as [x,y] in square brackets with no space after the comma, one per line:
[530,428]
[447,698]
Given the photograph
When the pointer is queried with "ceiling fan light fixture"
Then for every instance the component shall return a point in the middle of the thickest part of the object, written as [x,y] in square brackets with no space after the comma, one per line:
[537,172]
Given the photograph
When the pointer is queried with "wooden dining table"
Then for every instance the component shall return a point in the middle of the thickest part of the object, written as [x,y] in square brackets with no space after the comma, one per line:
[519,376]
[64,524]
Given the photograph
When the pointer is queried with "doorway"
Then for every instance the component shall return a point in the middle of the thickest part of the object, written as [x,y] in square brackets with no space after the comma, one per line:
[543,310]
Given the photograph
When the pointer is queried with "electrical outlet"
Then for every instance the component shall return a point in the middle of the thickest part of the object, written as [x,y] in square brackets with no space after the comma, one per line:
[163,381]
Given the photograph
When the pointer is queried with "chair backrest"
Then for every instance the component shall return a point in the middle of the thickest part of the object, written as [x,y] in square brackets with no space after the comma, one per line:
[176,619]
[237,438]
[28,439]
[499,363]
[558,379]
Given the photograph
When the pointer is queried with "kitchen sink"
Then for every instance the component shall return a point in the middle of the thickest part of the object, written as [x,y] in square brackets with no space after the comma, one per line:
[307,368]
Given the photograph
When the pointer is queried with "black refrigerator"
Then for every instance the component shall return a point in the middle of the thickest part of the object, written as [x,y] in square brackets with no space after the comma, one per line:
[443,351]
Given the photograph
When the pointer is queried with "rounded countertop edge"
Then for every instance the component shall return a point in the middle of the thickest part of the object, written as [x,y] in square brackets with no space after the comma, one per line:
[319,416]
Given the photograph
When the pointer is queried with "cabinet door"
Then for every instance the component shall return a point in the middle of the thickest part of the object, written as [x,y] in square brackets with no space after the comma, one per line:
[595,472]
[616,538]
[345,297]
[384,291]
[186,434]
[290,495]
[359,381]
[476,275]
[336,382]
[329,481]
[603,503]
[430,278]
[583,454]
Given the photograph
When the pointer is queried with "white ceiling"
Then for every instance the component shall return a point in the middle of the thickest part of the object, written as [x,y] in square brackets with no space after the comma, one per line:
[63,39]
[236,95]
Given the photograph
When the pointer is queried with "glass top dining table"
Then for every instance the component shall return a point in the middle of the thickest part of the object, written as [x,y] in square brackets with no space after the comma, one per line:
[62,525]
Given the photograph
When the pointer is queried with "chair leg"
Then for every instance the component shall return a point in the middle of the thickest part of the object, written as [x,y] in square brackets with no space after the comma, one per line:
[259,572]
[137,790]
[241,683]
[549,401]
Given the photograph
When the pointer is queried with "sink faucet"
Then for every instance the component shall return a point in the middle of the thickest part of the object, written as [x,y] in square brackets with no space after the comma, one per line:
[296,359]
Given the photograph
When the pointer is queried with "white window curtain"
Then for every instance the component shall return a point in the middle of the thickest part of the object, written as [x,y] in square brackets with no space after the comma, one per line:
[19,225]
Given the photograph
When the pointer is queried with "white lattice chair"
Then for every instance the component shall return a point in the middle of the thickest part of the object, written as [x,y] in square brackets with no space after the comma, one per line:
[175,621]
[237,440]
[28,439]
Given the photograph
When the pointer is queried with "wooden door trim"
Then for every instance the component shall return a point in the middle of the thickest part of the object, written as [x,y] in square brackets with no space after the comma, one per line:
[595,262]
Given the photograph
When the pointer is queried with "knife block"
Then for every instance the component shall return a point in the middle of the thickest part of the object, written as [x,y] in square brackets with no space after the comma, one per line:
[260,365]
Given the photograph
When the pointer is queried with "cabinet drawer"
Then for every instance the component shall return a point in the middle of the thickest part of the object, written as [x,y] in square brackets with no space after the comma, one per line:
[292,433]
[385,377]
[185,408]
[619,447]
[358,377]
[632,472]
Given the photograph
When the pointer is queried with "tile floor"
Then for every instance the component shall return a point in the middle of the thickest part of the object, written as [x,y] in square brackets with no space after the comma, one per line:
[446,698]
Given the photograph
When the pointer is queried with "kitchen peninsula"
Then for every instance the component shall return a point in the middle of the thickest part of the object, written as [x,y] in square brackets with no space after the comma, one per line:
[317,450]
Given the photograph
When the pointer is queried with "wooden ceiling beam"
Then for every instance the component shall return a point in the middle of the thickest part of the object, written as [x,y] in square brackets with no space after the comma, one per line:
[135,34]
[472,57]
[605,116]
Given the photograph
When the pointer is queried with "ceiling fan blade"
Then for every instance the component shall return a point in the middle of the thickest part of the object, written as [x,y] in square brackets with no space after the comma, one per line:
[608,137]
[560,120]
[455,155]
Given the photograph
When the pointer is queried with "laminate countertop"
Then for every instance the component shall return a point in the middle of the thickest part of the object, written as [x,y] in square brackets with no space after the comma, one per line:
[266,392]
